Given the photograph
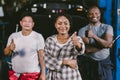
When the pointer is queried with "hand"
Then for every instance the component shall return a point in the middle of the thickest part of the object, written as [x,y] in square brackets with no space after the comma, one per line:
[89,34]
[12,45]
[111,44]
[42,77]
[71,63]
[75,41]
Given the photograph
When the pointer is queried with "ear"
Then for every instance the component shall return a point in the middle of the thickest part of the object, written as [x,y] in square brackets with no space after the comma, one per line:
[87,15]
[20,22]
[55,25]
[33,23]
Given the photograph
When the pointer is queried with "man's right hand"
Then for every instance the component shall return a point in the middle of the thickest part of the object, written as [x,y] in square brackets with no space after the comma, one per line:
[12,45]
[8,50]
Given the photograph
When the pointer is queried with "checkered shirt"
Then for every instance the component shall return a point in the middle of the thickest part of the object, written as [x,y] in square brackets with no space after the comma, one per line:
[54,55]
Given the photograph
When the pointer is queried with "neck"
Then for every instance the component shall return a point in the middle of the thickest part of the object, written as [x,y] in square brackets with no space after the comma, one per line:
[95,24]
[26,33]
[63,36]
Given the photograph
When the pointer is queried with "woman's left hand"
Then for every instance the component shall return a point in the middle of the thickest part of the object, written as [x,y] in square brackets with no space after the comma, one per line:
[75,41]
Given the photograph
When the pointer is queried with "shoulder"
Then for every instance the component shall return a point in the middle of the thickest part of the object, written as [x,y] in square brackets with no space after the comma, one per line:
[36,34]
[106,25]
[50,38]
[83,28]
[15,34]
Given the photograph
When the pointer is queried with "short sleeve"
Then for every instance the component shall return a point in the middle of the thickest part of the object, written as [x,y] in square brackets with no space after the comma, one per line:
[109,30]
[12,36]
[40,42]
[81,32]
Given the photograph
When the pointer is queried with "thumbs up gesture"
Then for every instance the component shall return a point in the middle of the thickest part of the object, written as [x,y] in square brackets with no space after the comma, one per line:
[89,34]
[75,40]
[12,45]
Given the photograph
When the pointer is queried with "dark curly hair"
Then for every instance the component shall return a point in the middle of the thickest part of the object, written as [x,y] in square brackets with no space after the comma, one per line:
[68,16]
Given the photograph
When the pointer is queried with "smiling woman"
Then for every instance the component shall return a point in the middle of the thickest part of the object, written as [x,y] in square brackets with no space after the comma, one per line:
[61,51]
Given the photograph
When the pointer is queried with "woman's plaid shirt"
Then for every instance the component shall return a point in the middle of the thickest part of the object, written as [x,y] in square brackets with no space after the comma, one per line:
[54,55]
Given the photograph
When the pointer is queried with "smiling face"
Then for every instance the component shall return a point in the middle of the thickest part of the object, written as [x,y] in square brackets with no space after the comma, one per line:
[94,15]
[62,25]
[27,23]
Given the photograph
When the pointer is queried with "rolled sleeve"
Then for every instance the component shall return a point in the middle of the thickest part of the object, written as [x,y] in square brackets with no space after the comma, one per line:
[82,47]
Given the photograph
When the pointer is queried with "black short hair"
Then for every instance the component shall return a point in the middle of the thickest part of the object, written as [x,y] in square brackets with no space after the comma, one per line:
[94,7]
[26,14]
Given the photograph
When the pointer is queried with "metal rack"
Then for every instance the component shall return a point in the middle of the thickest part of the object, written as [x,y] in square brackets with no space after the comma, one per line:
[2,36]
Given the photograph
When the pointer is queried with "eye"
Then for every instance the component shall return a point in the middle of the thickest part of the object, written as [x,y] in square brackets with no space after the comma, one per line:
[65,23]
[59,23]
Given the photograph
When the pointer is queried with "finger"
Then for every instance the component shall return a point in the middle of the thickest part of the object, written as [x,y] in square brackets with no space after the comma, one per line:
[113,41]
[74,34]
[12,41]
[111,44]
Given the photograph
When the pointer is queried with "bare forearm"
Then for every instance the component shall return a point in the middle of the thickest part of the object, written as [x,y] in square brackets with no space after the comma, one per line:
[103,42]
[91,49]
[41,60]
[42,64]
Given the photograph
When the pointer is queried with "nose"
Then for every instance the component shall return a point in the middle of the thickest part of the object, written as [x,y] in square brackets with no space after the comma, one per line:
[94,15]
[63,25]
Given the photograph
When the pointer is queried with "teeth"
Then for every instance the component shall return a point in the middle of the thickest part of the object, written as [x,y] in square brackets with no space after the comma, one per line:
[95,19]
